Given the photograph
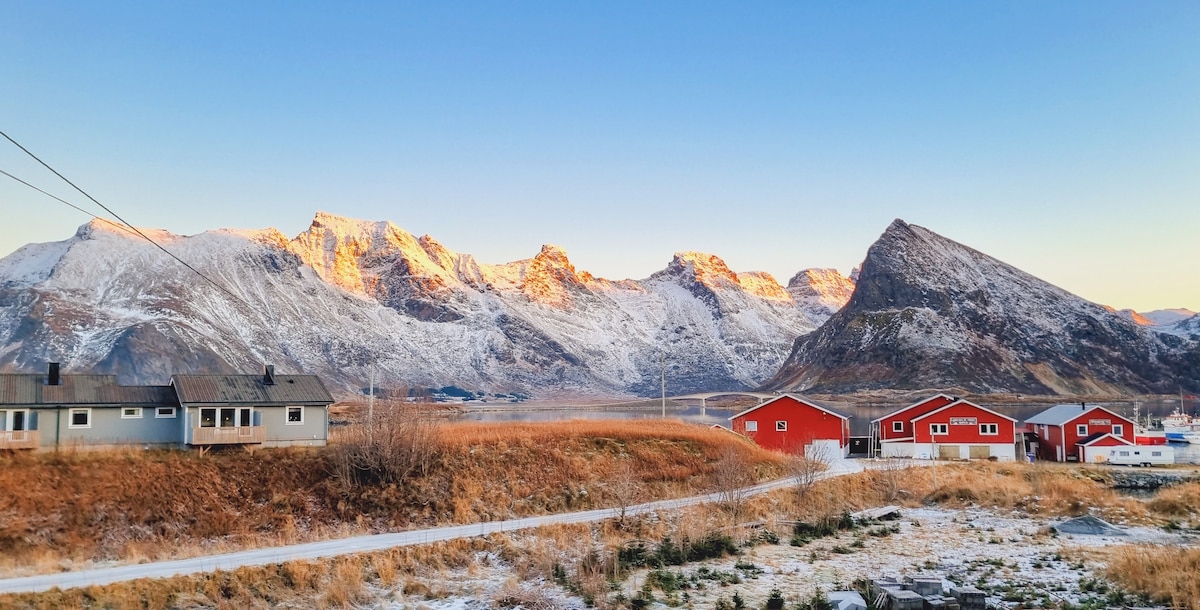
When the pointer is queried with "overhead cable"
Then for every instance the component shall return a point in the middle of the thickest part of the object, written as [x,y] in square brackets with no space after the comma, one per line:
[130,226]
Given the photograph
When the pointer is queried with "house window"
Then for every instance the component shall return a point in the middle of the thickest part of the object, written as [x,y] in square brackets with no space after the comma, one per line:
[165,413]
[208,418]
[989,429]
[897,426]
[939,428]
[752,426]
[80,418]
[131,413]
[295,415]
[1118,429]
[1081,429]
[781,426]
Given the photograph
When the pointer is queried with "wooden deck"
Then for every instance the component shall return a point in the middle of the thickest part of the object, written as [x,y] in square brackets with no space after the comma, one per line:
[20,439]
[230,435]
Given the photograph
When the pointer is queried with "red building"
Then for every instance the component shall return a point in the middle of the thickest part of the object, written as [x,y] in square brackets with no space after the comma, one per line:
[1061,428]
[897,426]
[794,424]
[948,428]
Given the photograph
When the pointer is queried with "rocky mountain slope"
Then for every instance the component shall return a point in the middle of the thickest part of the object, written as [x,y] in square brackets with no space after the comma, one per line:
[347,296]
[928,312]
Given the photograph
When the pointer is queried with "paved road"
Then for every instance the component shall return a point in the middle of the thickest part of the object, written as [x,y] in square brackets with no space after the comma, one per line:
[364,544]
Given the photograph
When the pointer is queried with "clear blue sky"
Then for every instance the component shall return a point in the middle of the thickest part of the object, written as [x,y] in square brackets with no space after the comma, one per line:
[1061,137]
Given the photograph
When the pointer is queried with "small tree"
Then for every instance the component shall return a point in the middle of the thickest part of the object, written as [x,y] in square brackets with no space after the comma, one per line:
[625,486]
[807,469]
[730,474]
[775,600]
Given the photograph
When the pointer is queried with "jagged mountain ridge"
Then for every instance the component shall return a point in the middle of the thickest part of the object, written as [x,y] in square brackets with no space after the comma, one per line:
[928,312]
[346,293]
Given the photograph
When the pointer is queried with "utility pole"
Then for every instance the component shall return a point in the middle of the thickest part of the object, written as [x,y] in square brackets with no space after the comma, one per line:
[371,406]
[662,362]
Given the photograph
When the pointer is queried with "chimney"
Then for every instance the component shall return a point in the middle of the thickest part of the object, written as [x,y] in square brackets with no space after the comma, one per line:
[269,375]
[52,377]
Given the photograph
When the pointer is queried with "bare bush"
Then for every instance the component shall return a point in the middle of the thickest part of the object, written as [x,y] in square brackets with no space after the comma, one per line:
[625,486]
[890,477]
[396,443]
[731,474]
[525,596]
[805,470]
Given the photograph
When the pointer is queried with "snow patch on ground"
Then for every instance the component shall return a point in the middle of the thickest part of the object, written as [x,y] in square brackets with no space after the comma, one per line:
[975,547]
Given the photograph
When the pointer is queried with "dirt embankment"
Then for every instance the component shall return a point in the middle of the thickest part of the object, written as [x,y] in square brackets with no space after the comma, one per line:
[59,509]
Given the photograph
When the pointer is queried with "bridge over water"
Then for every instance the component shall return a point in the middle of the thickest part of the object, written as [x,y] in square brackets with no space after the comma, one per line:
[704,396]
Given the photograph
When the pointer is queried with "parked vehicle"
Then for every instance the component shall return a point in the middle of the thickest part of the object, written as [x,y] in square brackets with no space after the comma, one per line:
[1137,455]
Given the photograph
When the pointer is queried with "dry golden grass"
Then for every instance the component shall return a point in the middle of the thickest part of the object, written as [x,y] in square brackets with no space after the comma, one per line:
[1169,575]
[1177,500]
[145,506]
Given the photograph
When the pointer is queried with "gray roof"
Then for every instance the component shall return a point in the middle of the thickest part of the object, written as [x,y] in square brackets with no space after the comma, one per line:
[250,390]
[91,390]
[1061,414]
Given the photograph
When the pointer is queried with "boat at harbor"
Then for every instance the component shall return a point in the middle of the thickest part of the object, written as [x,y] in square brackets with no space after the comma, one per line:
[1180,427]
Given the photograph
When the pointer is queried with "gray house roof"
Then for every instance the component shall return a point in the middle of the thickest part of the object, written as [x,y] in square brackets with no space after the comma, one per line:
[1061,414]
[84,390]
[231,390]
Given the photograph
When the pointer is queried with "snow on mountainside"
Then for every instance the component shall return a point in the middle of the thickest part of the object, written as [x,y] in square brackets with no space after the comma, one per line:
[1167,317]
[345,293]
[928,312]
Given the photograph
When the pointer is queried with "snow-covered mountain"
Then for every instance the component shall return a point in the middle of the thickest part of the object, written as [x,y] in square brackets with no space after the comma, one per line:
[346,294]
[928,312]
[1168,317]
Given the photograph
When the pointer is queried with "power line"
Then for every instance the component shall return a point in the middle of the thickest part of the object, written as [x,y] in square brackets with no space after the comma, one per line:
[68,203]
[127,224]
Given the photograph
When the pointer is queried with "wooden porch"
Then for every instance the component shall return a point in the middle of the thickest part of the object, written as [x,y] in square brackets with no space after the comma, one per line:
[20,439]
[228,435]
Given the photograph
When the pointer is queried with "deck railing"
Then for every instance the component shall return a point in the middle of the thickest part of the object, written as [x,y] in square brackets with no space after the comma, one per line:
[229,435]
[20,439]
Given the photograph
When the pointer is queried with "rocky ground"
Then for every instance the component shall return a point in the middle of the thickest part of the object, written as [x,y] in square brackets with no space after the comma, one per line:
[1016,560]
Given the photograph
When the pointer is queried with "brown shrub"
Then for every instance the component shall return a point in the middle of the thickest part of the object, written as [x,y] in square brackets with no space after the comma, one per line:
[1169,575]
[1177,500]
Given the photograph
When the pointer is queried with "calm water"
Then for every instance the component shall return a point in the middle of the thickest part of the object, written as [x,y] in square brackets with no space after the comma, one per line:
[859,422]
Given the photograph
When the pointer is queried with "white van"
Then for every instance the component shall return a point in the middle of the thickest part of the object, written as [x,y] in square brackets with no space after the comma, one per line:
[1142,455]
